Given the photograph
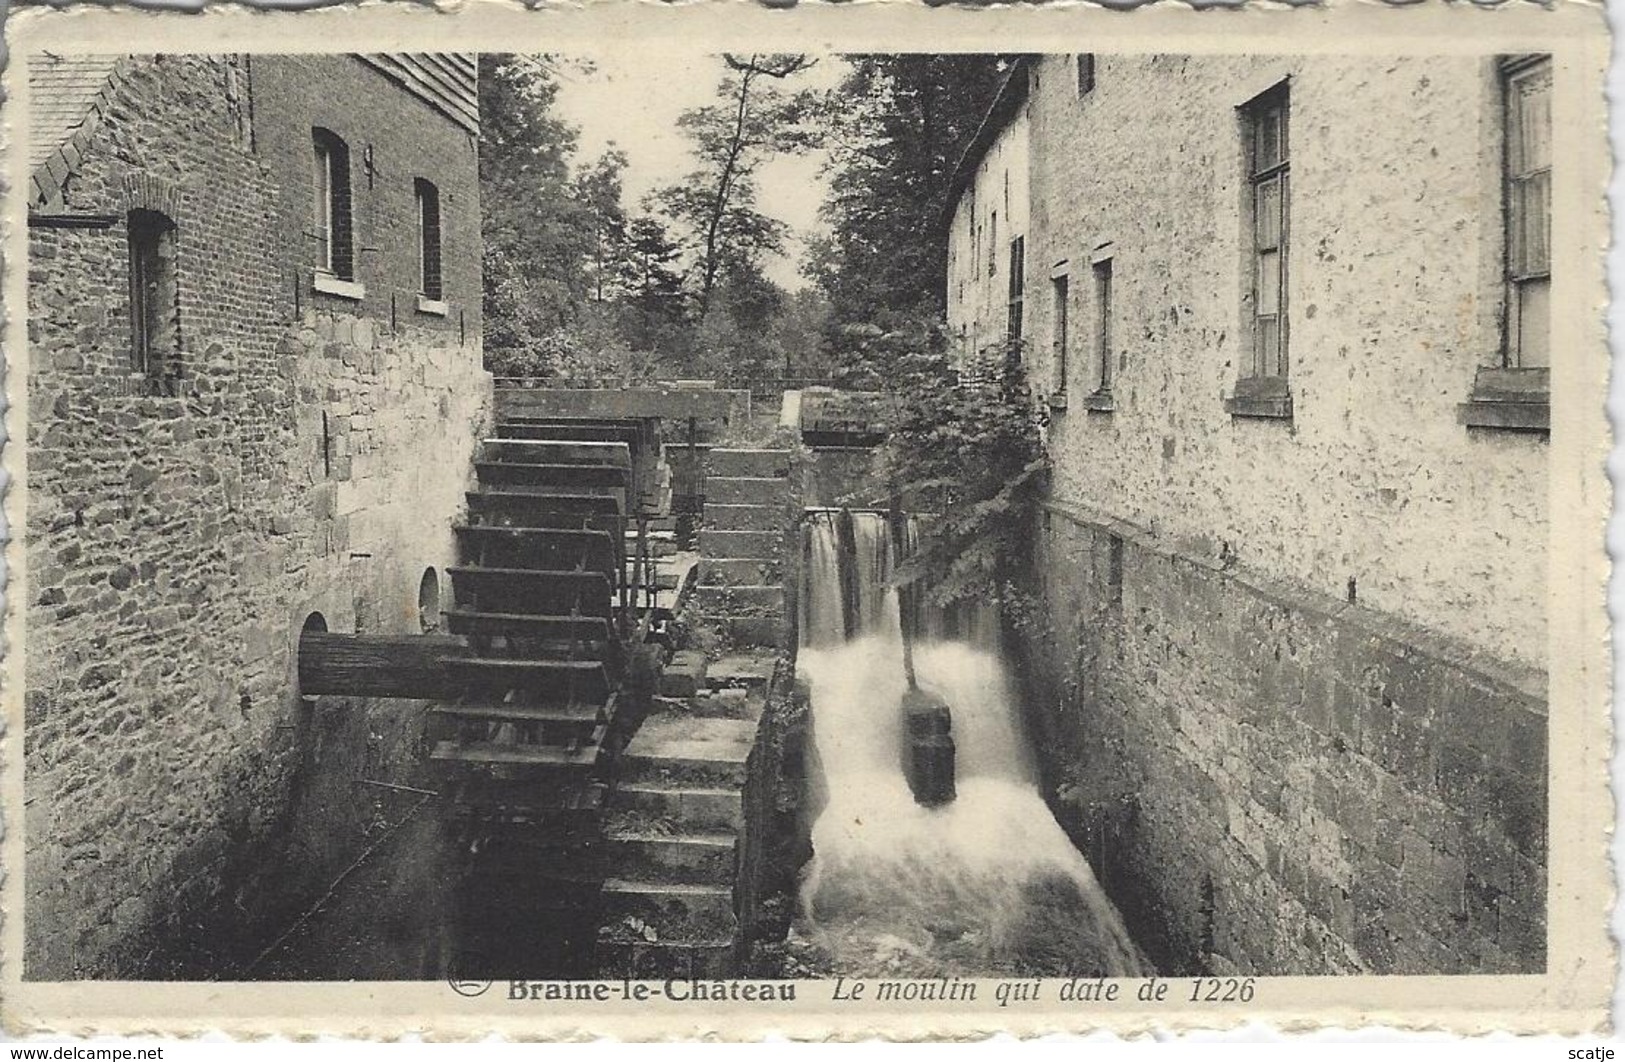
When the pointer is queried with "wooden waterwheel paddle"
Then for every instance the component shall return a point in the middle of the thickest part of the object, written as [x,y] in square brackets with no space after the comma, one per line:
[928,742]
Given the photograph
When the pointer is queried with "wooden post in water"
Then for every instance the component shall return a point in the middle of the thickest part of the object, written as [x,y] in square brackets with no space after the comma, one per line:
[928,745]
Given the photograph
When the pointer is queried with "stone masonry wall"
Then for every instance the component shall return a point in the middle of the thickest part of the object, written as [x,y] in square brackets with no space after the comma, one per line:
[1271,781]
[1394,301]
[176,542]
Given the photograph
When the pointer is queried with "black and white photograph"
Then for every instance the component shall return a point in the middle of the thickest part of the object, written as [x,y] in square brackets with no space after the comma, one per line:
[756,521]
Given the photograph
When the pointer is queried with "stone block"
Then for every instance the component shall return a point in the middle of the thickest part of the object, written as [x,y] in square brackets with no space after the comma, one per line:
[684,674]
[745,490]
[724,517]
[738,600]
[740,571]
[741,544]
[765,464]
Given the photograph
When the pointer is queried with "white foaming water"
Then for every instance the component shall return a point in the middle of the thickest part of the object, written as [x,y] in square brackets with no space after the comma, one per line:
[986,884]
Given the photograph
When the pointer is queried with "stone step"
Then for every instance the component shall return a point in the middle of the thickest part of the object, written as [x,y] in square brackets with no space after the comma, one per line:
[692,806]
[745,490]
[731,600]
[741,544]
[761,631]
[722,704]
[743,517]
[692,913]
[750,670]
[689,749]
[684,674]
[707,703]
[620,956]
[765,464]
[736,571]
[677,859]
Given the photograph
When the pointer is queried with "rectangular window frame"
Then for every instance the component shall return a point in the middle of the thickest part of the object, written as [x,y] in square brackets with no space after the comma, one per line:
[1262,387]
[1520,176]
[1016,303]
[1060,282]
[1105,372]
[1514,393]
[154,294]
[431,281]
[1085,73]
[333,215]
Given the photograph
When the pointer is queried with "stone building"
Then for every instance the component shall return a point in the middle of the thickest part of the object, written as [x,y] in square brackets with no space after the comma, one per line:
[1288,316]
[254,385]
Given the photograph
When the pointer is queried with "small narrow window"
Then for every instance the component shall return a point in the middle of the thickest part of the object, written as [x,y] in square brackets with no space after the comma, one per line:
[1103,325]
[1086,75]
[993,243]
[154,298]
[1059,284]
[1018,287]
[331,203]
[428,197]
[1528,162]
[1265,132]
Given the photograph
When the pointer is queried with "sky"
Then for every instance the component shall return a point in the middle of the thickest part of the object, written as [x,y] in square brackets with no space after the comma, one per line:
[632,97]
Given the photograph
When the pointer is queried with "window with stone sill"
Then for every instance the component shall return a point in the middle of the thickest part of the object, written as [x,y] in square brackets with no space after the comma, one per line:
[331,204]
[1514,393]
[428,204]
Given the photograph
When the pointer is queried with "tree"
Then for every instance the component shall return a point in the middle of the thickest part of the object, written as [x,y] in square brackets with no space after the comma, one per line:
[598,192]
[536,235]
[899,125]
[752,121]
[653,283]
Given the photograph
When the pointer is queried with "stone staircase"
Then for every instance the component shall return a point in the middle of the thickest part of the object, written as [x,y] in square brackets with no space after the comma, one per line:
[742,546]
[677,822]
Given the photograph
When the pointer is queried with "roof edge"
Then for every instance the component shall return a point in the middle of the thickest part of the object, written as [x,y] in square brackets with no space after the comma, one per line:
[1011,95]
[45,182]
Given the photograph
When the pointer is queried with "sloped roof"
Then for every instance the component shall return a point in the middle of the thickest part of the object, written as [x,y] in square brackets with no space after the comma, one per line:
[65,98]
[1005,106]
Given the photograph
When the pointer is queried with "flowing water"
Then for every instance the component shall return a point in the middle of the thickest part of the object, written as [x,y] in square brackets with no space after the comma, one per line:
[988,884]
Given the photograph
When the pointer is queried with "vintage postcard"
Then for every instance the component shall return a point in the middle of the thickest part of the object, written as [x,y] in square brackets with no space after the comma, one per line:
[705,520]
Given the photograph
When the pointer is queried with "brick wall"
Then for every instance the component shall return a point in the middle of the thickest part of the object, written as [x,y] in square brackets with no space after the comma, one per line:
[392,140]
[307,460]
[1274,782]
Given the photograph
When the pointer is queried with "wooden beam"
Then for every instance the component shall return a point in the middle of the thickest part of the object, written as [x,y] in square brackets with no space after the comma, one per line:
[378,665]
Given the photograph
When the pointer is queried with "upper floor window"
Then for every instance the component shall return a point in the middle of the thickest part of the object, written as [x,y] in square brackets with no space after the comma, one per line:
[154,294]
[1086,75]
[1102,271]
[331,201]
[1512,390]
[1059,284]
[1018,287]
[1527,84]
[993,243]
[1266,147]
[428,205]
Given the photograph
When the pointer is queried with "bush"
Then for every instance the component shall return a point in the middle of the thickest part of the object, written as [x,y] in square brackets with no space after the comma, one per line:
[965,452]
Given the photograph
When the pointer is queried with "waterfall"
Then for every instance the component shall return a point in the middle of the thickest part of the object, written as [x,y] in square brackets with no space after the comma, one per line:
[988,884]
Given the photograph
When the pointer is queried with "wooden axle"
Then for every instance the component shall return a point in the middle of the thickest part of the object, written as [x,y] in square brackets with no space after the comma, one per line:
[378,665]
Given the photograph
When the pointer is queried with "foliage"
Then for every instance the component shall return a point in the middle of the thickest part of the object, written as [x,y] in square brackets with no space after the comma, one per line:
[597,191]
[752,121]
[964,452]
[536,234]
[899,125]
